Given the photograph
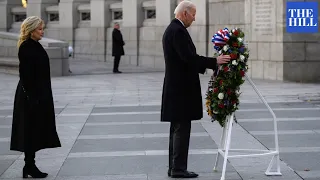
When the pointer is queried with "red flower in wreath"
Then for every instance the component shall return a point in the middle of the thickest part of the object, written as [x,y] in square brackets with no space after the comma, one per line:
[215,90]
[220,82]
[229,91]
[242,73]
[235,44]
[221,106]
[236,33]
[226,69]
[233,56]
[234,102]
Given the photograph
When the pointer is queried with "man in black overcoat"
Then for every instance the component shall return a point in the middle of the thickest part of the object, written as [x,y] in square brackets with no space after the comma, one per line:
[182,98]
[117,47]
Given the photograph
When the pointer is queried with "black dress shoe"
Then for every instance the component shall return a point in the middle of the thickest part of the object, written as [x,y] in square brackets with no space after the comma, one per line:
[183,174]
[169,172]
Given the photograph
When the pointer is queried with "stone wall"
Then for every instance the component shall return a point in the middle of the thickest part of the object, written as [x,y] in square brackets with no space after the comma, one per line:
[301,54]
[8,45]
[57,52]
[150,43]
[87,26]
[274,53]
[264,23]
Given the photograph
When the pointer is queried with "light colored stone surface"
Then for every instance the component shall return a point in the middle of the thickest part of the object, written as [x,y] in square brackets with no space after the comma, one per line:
[56,50]
[164,12]
[6,19]
[293,54]
[264,39]
[109,129]
[37,7]
[263,22]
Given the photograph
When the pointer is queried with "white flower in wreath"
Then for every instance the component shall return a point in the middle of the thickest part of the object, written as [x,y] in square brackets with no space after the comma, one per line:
[234,62]
[240,39]
[220,52]
[242,58]
[230,33]
[233,30]
[220,96]
[225,47]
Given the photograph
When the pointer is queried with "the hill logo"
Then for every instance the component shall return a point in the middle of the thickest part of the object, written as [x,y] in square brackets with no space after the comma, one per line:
[302,17]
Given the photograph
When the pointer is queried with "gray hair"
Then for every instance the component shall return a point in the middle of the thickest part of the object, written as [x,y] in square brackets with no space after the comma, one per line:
[184,6]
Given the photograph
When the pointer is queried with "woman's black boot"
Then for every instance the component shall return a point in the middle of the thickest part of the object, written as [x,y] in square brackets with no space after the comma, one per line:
[30,168]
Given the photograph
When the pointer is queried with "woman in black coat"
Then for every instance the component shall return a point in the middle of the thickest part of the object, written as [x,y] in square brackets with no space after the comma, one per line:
[33,126]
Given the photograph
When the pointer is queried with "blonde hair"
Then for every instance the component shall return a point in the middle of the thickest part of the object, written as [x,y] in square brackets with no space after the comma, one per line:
[28,25]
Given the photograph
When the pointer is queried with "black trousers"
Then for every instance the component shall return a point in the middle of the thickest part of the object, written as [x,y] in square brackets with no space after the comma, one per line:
[116,63]
[179,145]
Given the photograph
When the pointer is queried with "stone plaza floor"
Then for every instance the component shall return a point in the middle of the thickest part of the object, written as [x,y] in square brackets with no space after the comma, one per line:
[110,129]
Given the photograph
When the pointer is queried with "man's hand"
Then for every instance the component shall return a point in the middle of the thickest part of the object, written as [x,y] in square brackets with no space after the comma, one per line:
[222,59]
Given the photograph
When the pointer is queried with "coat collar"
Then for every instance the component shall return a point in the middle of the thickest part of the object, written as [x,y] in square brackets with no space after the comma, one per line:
[177,21]
[31,40]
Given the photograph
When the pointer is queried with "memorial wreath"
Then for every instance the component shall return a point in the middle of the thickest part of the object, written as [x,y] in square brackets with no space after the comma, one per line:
[222,97]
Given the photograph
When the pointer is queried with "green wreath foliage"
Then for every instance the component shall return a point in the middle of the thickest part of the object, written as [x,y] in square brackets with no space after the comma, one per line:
[222,97]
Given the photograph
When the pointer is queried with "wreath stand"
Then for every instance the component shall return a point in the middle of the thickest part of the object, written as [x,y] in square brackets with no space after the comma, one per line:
[225,141]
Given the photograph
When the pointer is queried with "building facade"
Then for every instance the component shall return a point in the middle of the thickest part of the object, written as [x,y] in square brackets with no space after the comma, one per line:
[87,26]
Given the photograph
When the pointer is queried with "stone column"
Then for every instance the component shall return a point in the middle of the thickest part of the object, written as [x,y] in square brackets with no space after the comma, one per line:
[199,28]
[133,16]
[69,18]
[165,11]
[164,15]
[38,8]
[99,15]
[6,18]
[100,21]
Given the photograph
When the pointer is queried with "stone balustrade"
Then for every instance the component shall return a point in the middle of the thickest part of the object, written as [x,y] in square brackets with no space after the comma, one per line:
[57,51]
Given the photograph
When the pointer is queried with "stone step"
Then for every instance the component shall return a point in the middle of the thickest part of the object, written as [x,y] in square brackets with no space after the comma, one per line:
[9,61]
[9,65]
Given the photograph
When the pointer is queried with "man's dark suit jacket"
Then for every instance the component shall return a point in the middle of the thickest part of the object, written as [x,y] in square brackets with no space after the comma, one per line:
[117,43]
[181,96]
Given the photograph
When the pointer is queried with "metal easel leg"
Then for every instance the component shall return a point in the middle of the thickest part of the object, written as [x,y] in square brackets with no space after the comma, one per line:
[275,160]
[227,147]
[220,148]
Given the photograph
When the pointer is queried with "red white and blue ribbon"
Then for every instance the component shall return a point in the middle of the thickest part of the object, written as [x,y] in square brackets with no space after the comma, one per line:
[220,38]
